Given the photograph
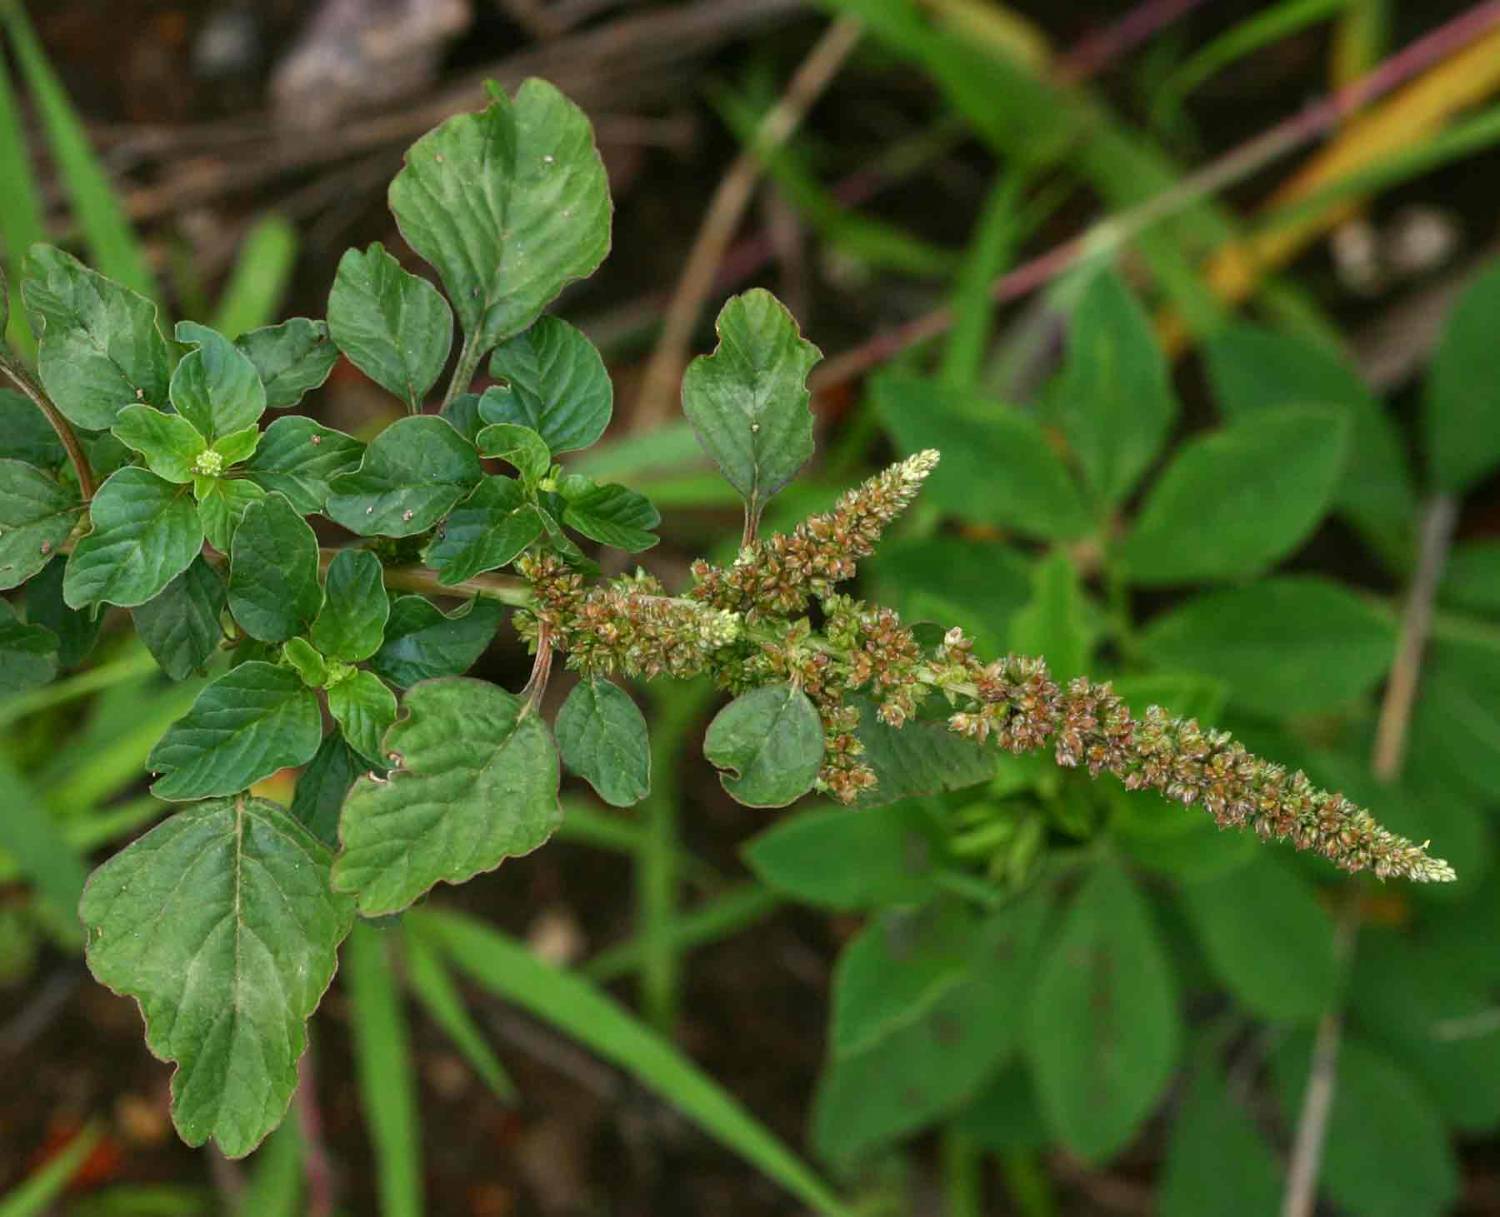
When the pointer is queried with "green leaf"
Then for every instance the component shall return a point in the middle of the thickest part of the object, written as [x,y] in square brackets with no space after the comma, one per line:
[1217,1160]
[942,1049]
[1104,1024]
[237,446]
[998,465]
[474,782]
[486,531]
[1461,417]
[1055,623]
[411,475]
[1455,726]
[221,924]
[351,623]
[364,710]
[767,745]
[1471,580]
[553,381]
[974,584]
[748,401]
[1235,501]
[298,458]
[394,326]
[244,726]
[145,533]
[1386,1153]
[25,434]
[321,787]
[99,349]
[463,413]
[216,387]
[28,653]
[263,264]
[850,858]
[590,1016]
[77,629]
[1267,938]
[519,446]
[222,504]
[273,571]
[609,514]
[169,442]
[918,758]
[37,514]
[509,205]
[291,359]
[1289,645]
[308,663]
[180,625]
[421,643]
[1114,401]
[602,736]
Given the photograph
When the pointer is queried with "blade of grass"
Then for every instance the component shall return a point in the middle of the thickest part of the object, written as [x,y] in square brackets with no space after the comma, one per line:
[1360,39]
[106,230]
[36,1195]
[34,841]
[134,663]
[990,251]
[275,1187]
[383,1065]
[619,833]
[737,909]
[87,832]
[262,270]
[576,1007]
[429,980]
[21,217]
[144,1200]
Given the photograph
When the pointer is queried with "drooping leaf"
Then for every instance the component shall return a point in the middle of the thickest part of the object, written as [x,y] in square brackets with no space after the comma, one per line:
[411,475]
[28,653]
[602,736]
[298,458]
[519,446]
[169,442]
[273,571]
[221,924]
[474,781]
[394,326]
[216,387]
[145,532]
[422,643]
[99,349]
[509,205]
[1235,501]
[486,531]
[322,785]
[748,401]
[222,503]
[1217,1160]
[364,709]
[767,744]
[244,726]
[351,622]
[609,514]
[37,513]
[180,625]
[1461,418]
[292,359]
[553,381]
[1104,1023]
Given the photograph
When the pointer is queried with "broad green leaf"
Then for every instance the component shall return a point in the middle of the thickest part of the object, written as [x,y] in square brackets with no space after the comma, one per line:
[25,434]
[273,571]
[1386,1153]
[77,629]
[918,758]
[1455,725]
[291,359]
[1104,1024]
[37,514]
[998,465]
[180,625]
[1252,369]
[1287,645]
[474,781]
[28,653]
[486,531]
[609,514]
[1217,1160]
[99,349]
[553,381]
[33,838]
[222,503]
[411,475]
[355,607]
[519,446]
[943,1050]
[510,205]
[974,584]
[237,446]
[216,387]
[432,984]
[463,413]
[169,442]
[590,1016]
[394,326]
[364,710]
[221,924]
[748,401]
[244,726]
[851,858]
[321,787]
[1114,401]
[145,533]
[1055,622]
[1461,418]
[298,458]
[1266,937]
[767,745]
[602,736]
[1471,580]
[421,642]
[1233,502]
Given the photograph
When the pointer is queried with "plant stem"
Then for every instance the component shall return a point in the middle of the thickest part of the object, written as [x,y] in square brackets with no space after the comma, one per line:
[963,1174]
[1027,1183]
[463,373]
[18,376]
